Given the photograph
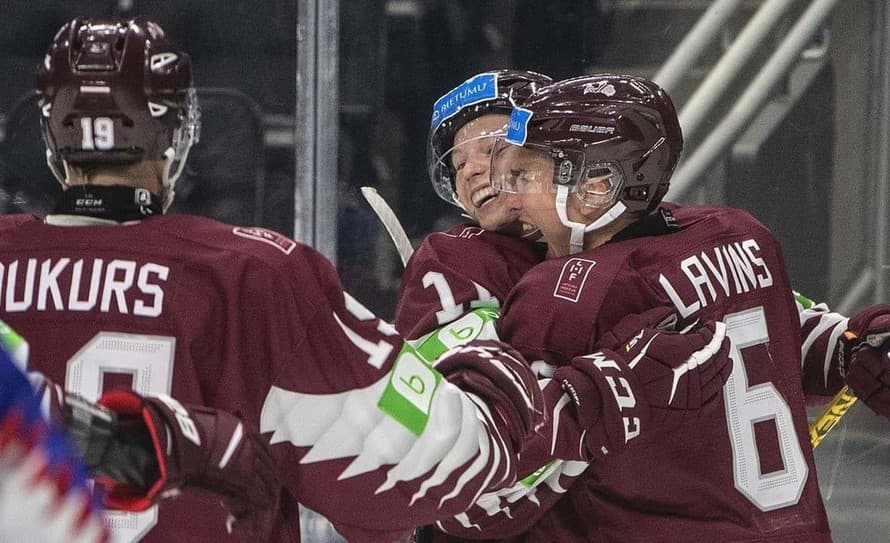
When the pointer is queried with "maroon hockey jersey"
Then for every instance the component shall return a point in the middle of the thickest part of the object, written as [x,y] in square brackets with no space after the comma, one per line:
[452,272]
[247,320]
[743,470]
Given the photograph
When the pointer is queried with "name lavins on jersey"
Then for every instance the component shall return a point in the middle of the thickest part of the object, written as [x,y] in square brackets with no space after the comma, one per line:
[64,284]
[724,270]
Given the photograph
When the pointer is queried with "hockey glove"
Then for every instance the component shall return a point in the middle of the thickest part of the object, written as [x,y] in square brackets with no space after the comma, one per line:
[499,375]
[865,362]
[144,449]
[645,376]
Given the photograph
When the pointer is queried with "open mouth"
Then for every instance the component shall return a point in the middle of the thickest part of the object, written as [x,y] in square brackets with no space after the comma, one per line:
[483,196]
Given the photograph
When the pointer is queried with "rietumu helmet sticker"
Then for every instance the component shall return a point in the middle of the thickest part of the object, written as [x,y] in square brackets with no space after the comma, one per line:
[472,91]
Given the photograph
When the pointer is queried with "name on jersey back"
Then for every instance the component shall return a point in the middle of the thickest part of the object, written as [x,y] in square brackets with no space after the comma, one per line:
[721,271]
[65,284]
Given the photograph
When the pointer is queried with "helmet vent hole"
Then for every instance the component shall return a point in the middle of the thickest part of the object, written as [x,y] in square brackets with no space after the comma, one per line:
[128,123]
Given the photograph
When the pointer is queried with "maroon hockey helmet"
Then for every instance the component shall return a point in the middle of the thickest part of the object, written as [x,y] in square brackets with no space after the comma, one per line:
[489,92]
[117,92]
[616,128]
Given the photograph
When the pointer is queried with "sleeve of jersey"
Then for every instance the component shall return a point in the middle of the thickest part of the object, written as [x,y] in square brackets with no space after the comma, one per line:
[369,434]
[450,274]
[548,466]
[43,492]
[820,356]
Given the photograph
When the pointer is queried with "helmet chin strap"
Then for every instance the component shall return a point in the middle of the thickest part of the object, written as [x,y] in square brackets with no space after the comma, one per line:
[577,229]
[61,176]
[171,174]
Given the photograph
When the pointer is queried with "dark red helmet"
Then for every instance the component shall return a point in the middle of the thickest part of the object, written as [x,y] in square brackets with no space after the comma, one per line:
[490,92]
[117,92]
[617,128]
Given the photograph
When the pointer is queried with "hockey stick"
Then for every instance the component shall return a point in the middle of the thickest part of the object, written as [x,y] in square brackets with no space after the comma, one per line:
[390,222]
[422,534]
[842,401]
[837,408]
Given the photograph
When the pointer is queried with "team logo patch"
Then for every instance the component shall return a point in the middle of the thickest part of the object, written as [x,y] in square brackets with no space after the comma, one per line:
[282,243]
[571,280]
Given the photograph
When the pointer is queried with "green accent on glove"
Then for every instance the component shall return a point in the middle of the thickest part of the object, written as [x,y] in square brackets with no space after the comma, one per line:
[529,480]
[9,338]
[409,394]
[14,345]
[413,381]
[476,324]
[803,300]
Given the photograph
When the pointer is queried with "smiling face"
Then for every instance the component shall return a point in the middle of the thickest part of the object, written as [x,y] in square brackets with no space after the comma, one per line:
[471,159]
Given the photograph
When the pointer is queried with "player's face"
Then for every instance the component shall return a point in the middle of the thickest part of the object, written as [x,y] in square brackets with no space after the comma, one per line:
[525,178]
[471,158]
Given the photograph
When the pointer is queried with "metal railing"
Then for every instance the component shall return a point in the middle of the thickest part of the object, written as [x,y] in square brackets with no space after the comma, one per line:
[691,171]
[748,42]
[873,283]
[695,43]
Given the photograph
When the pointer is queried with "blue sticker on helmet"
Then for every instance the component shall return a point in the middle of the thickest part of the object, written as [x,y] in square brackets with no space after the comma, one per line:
[517,132]
[472,91]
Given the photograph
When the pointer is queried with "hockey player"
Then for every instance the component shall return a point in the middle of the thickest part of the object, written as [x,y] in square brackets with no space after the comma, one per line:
[475,264]
[241,319]
[43,491]
[589,160]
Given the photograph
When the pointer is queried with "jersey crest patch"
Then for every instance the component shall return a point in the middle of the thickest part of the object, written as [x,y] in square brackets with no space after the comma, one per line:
[280,242]
[572,278]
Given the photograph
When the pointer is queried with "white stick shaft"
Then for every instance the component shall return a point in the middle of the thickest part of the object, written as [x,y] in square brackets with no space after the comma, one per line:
[390,222]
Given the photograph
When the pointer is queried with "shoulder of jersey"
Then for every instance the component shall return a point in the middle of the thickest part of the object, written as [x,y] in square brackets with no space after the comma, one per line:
[259,242]
[9,222]
[470,237]
[692,213]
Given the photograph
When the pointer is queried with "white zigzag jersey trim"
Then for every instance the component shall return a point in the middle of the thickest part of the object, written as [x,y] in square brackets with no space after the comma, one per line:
[349,424]
[519,497]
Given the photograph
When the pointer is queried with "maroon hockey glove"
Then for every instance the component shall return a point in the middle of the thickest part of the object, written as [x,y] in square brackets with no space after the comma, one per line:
[865,362]
[499,375]
[192,447]
[645,376]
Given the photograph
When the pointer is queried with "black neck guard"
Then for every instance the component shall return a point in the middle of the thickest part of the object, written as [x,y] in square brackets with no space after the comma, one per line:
[659,222]
[113,202]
